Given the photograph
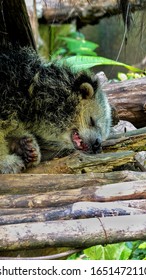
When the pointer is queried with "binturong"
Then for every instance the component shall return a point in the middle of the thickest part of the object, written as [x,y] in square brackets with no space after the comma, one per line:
[45,105]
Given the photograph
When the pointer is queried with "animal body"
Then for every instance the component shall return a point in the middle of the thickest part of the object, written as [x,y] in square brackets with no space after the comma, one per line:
[47,105]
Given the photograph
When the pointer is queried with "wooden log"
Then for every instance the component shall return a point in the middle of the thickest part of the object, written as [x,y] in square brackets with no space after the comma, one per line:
[105,193]
[79,210]
[139,204]
[41,183]
[73,233]
[129,99]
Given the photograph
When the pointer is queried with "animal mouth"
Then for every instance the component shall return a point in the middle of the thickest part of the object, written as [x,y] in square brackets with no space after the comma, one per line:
[78,141]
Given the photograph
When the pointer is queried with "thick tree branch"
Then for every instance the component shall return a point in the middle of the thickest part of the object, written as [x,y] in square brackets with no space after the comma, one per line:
[86,12]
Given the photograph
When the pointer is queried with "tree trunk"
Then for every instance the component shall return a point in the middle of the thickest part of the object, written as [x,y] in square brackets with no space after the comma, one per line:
[14,24]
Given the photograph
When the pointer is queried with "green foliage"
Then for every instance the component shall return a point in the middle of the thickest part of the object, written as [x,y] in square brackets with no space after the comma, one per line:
[85,62]
[120,251]
[142,245]
[79,46]
[109,252]
[73,43]
[138,250]
[71,48]
[57,49]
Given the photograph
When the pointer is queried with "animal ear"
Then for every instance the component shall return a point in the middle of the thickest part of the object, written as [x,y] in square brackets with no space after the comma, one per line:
[86,90]
[86,86]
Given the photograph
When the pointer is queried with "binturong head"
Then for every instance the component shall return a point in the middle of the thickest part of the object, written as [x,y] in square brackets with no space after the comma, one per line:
[92,121]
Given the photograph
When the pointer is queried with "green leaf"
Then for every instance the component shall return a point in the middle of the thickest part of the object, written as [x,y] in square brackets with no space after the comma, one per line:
[79,63]
[117,251]
[95,253]
[142,245]
[83,51]
[78,43]
[138,250]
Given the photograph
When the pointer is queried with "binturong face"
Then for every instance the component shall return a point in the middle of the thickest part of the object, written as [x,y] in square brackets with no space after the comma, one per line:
[92,121]
[74,114]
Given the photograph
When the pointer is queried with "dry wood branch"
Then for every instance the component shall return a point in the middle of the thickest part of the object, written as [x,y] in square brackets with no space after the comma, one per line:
[79,210]
[105,193]
[135,143]
[82,163]
[73,233]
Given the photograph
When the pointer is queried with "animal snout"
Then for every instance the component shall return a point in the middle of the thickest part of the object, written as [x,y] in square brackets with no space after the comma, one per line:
[96,146]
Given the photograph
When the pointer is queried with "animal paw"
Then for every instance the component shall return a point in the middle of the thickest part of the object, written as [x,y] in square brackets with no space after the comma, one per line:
[28,149]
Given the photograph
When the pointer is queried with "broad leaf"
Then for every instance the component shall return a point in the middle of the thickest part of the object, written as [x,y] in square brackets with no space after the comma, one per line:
[79,63]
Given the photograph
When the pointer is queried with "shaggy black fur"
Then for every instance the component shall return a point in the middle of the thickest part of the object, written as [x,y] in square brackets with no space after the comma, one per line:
[34,89]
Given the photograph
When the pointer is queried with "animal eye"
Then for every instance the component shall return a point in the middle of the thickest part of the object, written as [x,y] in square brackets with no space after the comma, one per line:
[92,122]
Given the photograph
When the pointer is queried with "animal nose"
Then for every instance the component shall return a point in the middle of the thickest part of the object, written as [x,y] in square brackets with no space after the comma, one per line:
[96,147]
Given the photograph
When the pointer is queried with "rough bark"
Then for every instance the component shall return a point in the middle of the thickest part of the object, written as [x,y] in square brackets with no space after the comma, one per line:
[78,163]
[129,99]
